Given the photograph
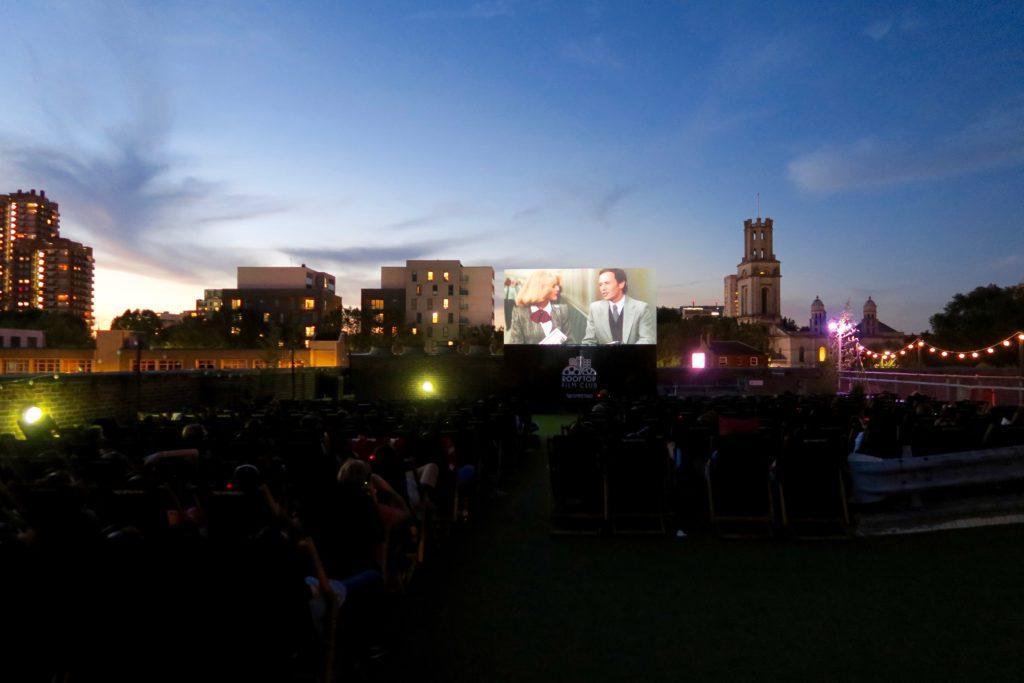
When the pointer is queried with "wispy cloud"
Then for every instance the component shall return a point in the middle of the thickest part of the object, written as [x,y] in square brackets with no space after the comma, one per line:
[592,51]
[373,255]
[487,9]
[994,141]
[439,213]
[877,30]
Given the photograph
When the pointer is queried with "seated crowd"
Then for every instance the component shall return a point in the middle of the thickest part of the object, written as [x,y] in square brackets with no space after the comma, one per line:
[261,543]
[724,452]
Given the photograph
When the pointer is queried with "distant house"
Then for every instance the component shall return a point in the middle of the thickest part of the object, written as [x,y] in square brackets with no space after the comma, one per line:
[733,354]
[22,339]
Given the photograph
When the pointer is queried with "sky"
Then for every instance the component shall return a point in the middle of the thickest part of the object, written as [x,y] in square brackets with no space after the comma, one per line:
[183,139]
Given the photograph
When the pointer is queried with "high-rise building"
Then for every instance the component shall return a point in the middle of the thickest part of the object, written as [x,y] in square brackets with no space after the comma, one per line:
[442,297]
[39,268]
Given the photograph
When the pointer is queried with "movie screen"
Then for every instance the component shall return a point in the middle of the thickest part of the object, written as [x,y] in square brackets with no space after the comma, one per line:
[580,306]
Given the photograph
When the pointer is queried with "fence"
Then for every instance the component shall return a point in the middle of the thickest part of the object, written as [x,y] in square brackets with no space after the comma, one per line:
[996,389]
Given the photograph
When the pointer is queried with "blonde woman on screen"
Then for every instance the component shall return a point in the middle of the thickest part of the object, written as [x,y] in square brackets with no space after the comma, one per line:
[537,319]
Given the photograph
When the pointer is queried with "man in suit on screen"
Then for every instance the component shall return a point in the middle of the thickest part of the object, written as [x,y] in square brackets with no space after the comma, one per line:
[618,318]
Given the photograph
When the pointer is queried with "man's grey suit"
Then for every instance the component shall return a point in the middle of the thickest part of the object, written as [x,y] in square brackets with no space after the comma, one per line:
[638,323]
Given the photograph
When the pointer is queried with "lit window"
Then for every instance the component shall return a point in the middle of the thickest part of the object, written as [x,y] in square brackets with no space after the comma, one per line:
[430,276]
[206,364]
[235,331]
[697,360]
[444,304]
[419,289]
[309,304]
[433,317]
[723,360]
[236,303]
[266,317]
[47,365]
[233,364]
[376,330]
[822,354]
[310,330]
[446,276]
[415,331]
[377,304]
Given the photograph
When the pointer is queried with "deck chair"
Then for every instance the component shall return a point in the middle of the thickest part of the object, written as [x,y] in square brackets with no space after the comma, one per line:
[579,494]
[811,490]
[740,502]
[637,478]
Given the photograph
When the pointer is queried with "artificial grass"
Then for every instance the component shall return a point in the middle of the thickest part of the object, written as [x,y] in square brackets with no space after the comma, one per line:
[512,603]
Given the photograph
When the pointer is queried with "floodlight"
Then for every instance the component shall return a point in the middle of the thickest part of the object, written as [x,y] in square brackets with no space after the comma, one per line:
[36,424]
[427,386]
[698,360]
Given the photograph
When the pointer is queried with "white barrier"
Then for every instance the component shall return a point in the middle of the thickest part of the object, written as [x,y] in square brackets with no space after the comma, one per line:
[875,479]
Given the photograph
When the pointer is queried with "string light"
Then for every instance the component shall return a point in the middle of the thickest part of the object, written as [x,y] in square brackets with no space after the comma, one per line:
[945,353]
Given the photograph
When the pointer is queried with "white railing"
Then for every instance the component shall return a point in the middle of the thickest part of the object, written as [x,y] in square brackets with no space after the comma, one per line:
[946,386]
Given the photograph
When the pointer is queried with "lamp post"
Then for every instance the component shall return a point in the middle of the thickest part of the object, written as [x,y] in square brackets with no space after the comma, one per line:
[840,328]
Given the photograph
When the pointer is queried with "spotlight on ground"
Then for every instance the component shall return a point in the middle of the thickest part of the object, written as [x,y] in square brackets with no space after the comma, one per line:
[427,387]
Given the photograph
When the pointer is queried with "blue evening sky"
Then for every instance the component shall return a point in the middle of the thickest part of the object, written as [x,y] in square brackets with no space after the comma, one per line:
[184,139]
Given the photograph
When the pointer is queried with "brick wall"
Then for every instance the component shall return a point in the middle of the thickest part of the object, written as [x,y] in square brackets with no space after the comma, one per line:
[76,399]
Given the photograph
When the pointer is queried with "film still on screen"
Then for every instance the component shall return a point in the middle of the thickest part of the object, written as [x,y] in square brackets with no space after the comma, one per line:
[580,306]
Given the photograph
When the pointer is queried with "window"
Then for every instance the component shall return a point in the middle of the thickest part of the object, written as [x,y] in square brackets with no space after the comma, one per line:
[433,317]
[47,364]
[33,342]
[419,317]
[430,302]
[415,331]
[309,304]
[235,331]
[287,364]
[12,367]
[236,303]
[446,275]
[414,276]
[451,290]
[165,364]
[377,304]
[145,366]
[801,354]
[723,360]
[259,364]
[419,290]
[430,332]
[206,364]
[412,304]
[451,317]
[310,331]
[266,317]
[753,360]
[822,354]
[233,364]
[84,365]
[444,304]
[16,340]
[378,317]
[435,289]
[430,276]
[377,330]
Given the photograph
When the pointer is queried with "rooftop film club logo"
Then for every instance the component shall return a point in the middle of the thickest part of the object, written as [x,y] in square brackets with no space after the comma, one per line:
[579,376]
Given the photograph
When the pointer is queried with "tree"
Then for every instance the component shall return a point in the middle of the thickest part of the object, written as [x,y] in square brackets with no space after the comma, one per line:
[61,329]
[144,321]
[980,317]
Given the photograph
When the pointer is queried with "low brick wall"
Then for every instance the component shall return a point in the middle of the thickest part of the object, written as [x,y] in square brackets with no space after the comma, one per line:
[76,399]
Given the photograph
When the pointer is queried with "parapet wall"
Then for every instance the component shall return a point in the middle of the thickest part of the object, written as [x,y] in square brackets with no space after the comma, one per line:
[77,399]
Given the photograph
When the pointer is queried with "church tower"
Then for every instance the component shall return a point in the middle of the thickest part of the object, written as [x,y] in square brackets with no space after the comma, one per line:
[819,323]
[758,276]
[869,325]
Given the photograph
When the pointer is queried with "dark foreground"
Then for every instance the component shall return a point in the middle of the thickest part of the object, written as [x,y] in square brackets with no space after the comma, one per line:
[515,604]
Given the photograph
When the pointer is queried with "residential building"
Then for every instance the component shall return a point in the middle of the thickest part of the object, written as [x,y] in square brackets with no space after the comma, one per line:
[296,298]
[22,339]
[443,298]
[39,268]
[382,312]
[695,311]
